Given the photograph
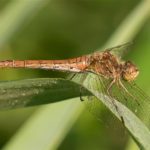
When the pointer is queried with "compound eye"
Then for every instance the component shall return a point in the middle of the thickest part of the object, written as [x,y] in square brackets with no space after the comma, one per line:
[130,71]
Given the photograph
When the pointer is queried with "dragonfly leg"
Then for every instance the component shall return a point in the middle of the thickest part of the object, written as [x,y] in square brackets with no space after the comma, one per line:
[128,92]
[95,73]
[81,81]
[122,93]
[81,99]
[70,77]
[113,101]
[88,71]
[110,86]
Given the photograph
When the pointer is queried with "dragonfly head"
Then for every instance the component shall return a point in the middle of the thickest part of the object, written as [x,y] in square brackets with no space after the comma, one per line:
[130,71]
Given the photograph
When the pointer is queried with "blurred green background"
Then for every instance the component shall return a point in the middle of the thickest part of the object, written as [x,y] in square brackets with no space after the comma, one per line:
[59,29]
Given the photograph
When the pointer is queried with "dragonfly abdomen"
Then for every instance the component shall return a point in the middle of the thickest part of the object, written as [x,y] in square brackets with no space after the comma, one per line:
[72,65]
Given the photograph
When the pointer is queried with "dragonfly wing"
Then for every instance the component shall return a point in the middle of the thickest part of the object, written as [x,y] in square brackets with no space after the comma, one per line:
[94,105]
[120,50]
[136,100]
[133,98]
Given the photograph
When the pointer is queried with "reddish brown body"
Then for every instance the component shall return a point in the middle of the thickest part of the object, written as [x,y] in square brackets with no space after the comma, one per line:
[103,63]
[73,65]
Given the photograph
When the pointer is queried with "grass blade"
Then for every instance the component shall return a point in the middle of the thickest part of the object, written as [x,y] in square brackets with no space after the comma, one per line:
[33,92]
[47,127]
[135,126]
[15,15]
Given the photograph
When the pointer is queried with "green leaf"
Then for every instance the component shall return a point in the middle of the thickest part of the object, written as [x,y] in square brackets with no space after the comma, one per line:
[135,126]
[47,127]
[32,92]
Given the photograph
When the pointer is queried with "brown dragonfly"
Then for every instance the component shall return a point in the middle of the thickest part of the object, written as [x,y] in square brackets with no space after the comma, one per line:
[114,75]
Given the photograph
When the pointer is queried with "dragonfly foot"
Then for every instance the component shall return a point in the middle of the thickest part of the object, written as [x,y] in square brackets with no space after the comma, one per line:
[122,120]
[81,99]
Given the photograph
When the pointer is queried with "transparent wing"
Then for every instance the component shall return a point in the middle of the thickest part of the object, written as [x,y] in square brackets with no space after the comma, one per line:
[134,98]
[137,101]
[124,45]
[120,50]
[94,105]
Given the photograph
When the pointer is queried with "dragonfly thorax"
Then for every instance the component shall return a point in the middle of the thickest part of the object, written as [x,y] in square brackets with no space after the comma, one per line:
[109,66]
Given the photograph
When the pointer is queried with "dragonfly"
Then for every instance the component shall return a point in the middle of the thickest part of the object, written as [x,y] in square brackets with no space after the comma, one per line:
[115,75]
